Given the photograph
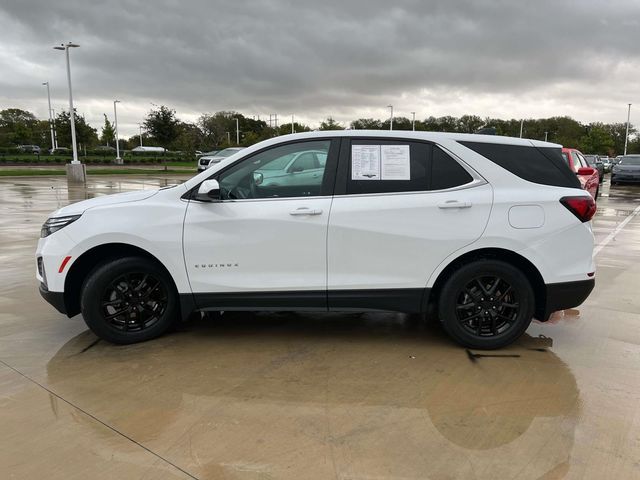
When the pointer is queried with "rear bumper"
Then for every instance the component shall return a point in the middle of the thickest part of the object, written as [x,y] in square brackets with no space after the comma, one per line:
[560,296]
[54,298]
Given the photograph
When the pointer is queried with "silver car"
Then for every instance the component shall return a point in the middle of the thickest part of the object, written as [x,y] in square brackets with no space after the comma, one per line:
[206,161]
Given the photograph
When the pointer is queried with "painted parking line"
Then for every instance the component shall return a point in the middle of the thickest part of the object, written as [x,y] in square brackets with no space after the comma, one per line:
[612,235]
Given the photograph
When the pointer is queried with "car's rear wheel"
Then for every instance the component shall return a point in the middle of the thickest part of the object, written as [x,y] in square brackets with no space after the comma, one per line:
[129,300]
[486,304]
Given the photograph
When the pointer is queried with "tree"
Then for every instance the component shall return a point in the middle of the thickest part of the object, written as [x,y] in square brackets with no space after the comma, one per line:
[366,124]
[190,138]
[86,135]
[215,126]
[162,125]
[330,124]
[597,140]
[20,127]
[285,128]
[108,132]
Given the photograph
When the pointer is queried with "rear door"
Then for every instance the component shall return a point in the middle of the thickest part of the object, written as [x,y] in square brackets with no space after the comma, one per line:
[400,208]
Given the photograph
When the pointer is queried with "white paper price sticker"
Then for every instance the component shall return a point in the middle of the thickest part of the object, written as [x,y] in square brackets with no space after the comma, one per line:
[365,162]
[395,162]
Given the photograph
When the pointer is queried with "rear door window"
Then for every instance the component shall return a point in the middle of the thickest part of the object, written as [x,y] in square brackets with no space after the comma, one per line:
[446,172]
[386,166]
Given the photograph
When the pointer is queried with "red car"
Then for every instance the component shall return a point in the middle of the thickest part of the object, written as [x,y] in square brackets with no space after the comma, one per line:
[588,176]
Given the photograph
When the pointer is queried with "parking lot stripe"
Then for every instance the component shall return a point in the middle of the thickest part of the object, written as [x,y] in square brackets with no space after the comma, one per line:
[620,226]
[90,415]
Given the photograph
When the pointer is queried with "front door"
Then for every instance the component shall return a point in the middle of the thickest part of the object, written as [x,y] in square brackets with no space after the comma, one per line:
[264,244]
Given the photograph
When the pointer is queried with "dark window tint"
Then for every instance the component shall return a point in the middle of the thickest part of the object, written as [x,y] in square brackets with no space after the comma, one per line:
[446,172]
[418,161]
[538,165]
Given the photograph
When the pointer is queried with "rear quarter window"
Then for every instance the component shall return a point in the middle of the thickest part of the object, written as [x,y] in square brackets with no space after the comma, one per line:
[544,166]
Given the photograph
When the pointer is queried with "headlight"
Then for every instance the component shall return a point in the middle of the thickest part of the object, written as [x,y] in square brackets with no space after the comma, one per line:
[54,224]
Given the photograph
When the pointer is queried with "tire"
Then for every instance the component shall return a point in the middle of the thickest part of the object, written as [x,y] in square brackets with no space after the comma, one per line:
[486,327]
[121,303]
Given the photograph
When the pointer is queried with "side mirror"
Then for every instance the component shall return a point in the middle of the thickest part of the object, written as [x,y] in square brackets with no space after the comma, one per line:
[587,171]
[258,178]
[209,191]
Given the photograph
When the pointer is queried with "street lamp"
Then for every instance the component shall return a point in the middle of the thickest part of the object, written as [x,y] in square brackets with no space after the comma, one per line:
[546,134]
[53,141]
[413,121]
[237,132]
[292,130]
[115,116]
[626,136]
[391,120]
[140,127]
[66,47]
[521,127]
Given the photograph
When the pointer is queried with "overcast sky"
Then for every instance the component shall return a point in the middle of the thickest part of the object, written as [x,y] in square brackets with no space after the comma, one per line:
[346,59]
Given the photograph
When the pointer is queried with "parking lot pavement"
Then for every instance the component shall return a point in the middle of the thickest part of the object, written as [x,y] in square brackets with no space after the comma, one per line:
[261,396]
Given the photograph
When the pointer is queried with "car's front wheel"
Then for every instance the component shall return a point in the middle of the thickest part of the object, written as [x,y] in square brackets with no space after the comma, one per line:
[129,300]
[486,304]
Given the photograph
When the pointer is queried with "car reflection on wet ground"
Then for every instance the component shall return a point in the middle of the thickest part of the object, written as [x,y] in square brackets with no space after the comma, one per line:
[254,396]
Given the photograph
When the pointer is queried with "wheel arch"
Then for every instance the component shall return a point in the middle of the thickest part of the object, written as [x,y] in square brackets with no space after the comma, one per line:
[508,256]
[98,255]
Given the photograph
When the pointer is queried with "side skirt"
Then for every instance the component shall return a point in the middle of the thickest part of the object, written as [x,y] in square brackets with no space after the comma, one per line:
[411,300]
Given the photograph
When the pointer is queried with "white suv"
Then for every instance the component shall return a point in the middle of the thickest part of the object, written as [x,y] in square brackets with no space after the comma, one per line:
[485,232]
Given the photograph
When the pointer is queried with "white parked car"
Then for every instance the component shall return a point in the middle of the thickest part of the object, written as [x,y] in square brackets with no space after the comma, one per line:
[207,160]
[486,232]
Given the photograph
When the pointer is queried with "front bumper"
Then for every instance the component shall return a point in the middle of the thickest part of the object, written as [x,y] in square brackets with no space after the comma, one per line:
[561,296]
[54,298]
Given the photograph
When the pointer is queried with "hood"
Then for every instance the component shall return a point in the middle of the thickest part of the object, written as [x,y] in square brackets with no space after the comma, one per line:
[80,207]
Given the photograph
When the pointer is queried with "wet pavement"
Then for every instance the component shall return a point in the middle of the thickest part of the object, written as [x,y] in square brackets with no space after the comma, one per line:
[297,396]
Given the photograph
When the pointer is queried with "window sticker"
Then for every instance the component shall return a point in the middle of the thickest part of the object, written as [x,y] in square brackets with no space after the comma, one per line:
[395,162]
[365,162]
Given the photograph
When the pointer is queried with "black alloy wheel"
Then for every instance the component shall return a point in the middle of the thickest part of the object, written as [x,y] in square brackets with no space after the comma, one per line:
[129,300]
[486,304]
[134,302]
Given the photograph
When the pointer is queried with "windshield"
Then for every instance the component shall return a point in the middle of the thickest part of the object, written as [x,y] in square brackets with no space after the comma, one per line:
[630,161]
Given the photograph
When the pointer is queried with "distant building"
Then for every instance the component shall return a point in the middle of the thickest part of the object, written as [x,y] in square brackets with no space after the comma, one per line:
[148,149]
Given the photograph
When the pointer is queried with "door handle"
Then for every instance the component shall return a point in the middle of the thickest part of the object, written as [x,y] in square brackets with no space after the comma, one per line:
[306,211]
[454,204]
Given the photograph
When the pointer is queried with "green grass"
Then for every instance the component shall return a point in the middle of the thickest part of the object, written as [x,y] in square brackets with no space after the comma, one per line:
[30,172]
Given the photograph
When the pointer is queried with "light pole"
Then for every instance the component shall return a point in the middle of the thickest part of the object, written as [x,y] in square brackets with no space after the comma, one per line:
[391,119]
[626,136]
[413,121]
[115,116]
[140,127]
[521,127]
[545,136]
[237,132]
[292,130]
[66,47]
[53,141]
[53,122]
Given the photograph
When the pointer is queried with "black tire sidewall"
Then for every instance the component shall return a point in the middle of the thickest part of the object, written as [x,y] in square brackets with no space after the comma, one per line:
[102,276]
[460,278]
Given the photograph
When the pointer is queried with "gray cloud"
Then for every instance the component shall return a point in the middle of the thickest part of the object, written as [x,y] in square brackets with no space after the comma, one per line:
[347,59]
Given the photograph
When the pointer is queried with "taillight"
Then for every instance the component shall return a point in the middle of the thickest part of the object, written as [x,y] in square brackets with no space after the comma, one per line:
[583,207]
